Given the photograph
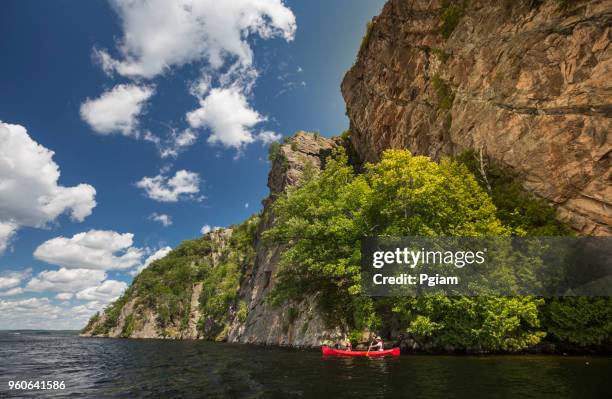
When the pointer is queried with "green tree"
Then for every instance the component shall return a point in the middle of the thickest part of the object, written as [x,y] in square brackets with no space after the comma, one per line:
[323,220]
[580,321]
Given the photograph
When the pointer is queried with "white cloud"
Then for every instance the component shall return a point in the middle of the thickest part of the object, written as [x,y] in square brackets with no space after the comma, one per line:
[12,291]
[69,284]
[159,34]
[86,310]
[108,291]
[268,137]
[227,114]
[7,232]
[184,138]
[160,253]
[12,278]
[10,281]
[177,142]
[162,218]
[42,313]
[208,228]
[64,296]
[65,280]
[94,249]
[25,304]
[29,313]
[29,191]
[174,143]
[183,185]
[117,110]
[201,86]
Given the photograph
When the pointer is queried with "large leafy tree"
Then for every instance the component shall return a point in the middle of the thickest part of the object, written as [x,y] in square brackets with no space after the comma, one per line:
[323,220]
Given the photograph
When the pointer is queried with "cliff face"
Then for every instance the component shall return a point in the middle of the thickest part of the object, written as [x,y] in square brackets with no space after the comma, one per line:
[527,82]
[295,324]
[292,324]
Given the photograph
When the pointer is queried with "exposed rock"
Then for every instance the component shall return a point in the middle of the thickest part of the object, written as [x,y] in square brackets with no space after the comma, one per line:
[144,319]
[194,315]
[528,82]
[291,324]
[294,324]
[301,150]
[145,328]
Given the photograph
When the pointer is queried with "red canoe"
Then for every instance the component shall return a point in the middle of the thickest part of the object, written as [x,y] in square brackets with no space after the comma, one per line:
[326,350]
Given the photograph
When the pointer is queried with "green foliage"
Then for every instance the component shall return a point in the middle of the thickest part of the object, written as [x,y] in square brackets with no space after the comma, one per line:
[451,14]
[99,329]
[412,195]
[243,311]
[111,315]
[219,291]
[581,321]
[423,327]
[166,284]
[129,326]
[478,323]
[444,93]
[355,336]
[290,318]
[323,220]
[221,283]
[292,314]
[518,209]
[304,218]
[273,150]
[93,320]
[345,135]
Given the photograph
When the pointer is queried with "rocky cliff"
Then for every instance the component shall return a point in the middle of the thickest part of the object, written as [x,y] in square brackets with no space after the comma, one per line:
[246,316]
[295,324]
[527,82]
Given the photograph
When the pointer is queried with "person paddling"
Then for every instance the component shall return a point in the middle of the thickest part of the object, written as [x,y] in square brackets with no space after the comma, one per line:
[377,345]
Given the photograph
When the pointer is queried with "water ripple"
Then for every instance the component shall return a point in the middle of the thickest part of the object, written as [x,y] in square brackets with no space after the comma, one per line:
[109,368]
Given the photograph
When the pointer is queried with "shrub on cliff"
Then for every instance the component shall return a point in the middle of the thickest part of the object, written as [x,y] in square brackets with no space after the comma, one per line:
[273,150]
[518,209]
[165,285]
[218,299]
[323,220]
[450,15]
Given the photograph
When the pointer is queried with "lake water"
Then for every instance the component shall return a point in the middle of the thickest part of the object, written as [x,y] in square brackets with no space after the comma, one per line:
[113,368]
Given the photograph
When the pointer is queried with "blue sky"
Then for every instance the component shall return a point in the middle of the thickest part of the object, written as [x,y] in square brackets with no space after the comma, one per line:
[128,98]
